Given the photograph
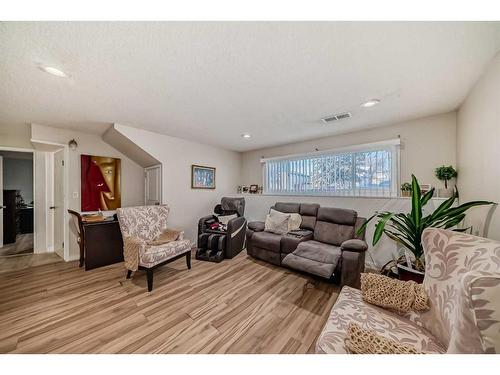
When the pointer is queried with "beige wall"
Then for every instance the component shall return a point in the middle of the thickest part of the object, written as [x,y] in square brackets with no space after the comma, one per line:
[132,173]
[15,136]
[478,145]
[425,144]
[177,155]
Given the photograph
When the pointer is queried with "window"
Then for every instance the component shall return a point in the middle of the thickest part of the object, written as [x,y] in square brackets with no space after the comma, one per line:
[366,170]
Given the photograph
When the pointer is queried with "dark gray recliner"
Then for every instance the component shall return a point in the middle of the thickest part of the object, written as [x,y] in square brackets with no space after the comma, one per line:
[217,244]
[327,244]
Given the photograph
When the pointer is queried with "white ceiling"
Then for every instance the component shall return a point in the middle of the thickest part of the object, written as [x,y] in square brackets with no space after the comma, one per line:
[212,81]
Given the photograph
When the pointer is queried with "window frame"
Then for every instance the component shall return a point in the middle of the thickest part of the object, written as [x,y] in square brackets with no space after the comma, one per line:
[392,145]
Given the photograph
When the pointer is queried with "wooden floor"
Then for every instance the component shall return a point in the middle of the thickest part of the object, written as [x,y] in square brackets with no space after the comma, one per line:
[23,245]
[19,262]
[237,306]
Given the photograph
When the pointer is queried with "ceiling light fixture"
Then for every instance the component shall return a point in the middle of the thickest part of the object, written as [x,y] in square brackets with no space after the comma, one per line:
[54,71]
[370,103]
[246,135]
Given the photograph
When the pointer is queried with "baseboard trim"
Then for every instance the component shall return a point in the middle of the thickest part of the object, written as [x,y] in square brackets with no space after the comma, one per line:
[72,258]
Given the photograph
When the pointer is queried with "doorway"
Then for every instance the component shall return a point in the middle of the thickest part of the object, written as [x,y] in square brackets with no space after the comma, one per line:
[16,203]
[58,203]
[152,185]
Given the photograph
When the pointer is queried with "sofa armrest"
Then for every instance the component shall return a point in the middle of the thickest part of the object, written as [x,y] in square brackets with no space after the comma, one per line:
[236,224]
[257,226]
[358,246]
[201,223]
[235,236]
[352,266]
[132,248]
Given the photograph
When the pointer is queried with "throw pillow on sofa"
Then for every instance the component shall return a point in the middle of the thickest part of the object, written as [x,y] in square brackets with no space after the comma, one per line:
[276,222]
[294,222]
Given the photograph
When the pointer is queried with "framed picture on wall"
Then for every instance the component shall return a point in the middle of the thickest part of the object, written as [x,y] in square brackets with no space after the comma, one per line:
[202,177]
[100,183]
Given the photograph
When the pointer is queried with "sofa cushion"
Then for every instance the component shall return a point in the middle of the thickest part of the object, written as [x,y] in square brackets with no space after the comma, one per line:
[319,251]
[331,233]
[337,215]
[158,254]
[289,208]
[257,226]
[308,222]
[314,257]
[350,307]
[309,209]
[290,241]
[311,266]
[267,240]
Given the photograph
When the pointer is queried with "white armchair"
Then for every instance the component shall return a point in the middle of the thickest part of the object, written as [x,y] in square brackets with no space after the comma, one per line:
[462,280]
[142,228]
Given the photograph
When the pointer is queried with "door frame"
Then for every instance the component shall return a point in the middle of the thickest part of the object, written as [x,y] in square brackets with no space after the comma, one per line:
[32,151]
[160,180]
[52,147]
[65,151]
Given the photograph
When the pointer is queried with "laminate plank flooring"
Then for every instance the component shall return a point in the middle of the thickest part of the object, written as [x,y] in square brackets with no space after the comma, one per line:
[22,261]
[23,245]
[241,305]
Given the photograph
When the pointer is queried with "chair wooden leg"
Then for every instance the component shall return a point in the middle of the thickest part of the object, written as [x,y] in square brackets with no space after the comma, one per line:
[82,254]
[188,260]
[129,273]
[149,274]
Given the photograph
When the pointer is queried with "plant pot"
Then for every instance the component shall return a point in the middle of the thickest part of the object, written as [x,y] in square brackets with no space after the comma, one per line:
[445,193]
[405,193]
[410,274]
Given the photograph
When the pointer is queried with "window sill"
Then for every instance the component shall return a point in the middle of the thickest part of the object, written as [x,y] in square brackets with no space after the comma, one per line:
[330,196]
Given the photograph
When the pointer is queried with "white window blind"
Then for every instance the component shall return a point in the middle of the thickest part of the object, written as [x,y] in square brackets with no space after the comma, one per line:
[360,172]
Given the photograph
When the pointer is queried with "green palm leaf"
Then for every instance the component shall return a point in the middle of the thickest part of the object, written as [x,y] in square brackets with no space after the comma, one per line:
[406,229]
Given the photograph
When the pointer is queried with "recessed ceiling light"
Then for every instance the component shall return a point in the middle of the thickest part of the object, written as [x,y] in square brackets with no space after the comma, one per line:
[54,71]
[370,103]
[246,135]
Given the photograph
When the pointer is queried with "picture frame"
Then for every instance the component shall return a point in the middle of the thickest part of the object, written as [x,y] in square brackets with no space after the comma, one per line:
[100,183]
[253,189]
[202,177]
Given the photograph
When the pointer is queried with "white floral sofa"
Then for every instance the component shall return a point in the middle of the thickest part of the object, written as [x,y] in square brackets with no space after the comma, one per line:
[462,281]
[141,227]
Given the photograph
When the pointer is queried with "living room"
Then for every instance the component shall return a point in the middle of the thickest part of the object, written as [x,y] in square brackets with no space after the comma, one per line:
[252,187]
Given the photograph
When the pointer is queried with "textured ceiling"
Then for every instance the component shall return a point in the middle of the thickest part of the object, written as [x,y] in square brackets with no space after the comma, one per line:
[212,81]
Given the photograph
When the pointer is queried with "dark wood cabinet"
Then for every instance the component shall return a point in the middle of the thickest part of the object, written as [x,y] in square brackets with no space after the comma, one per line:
[26,220]
[10,217]
[103,243]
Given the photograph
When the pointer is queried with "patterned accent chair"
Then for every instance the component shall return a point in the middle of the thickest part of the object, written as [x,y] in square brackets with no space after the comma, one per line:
[141,228]
[462,280]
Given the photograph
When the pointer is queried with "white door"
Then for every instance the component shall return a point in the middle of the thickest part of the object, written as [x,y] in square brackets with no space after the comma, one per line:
[58,205]
[152,186]
[1,202]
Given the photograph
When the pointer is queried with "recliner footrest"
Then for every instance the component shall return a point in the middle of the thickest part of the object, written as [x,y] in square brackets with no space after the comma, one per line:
[309,265]
[212,247]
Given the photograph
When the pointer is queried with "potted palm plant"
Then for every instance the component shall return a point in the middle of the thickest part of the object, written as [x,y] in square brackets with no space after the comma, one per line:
[406,229]
[445,173]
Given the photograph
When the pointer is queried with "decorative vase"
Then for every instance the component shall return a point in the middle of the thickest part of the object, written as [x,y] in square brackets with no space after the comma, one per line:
[410,274]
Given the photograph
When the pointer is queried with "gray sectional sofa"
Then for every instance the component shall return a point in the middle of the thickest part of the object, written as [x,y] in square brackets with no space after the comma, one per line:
[326,245]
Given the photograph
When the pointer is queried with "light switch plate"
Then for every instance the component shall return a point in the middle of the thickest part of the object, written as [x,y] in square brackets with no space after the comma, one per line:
[75,195]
